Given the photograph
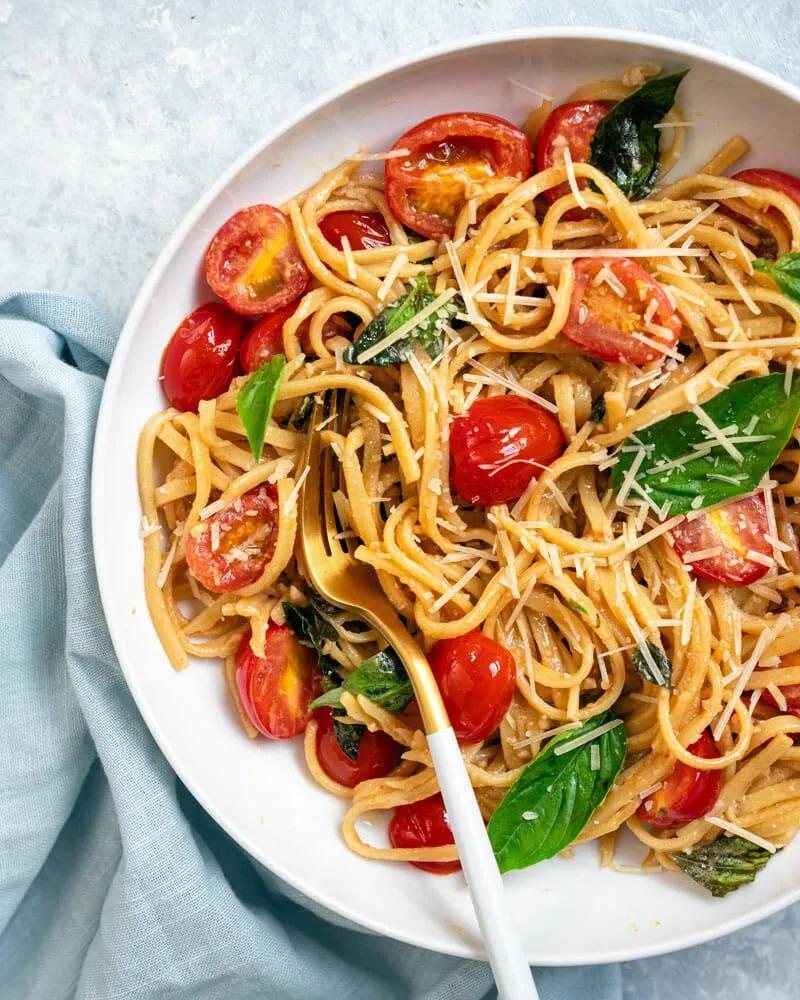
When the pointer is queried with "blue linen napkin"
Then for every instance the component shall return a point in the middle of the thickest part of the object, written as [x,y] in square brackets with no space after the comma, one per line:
[114,883]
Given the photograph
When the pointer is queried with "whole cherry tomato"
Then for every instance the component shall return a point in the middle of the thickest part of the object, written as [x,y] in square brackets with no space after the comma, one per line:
[499,445]
[423,824]
[377,753]
[477,677]
[200,359]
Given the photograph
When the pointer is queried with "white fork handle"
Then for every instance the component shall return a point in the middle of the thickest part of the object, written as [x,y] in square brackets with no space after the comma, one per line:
[512,973]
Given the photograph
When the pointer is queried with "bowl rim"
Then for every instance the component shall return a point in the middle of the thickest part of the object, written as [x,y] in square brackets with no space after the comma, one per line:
[162,737]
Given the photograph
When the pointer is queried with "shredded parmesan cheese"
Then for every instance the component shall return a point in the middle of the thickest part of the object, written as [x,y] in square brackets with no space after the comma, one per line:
[740,831]
[580,741]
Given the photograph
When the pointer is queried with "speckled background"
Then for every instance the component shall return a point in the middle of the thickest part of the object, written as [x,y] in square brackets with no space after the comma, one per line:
[115,117]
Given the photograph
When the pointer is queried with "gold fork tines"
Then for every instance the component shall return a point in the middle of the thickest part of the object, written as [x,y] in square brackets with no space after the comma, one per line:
[337,576]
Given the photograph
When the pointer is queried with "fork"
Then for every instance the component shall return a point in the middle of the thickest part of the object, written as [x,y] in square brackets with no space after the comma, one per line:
[339,578]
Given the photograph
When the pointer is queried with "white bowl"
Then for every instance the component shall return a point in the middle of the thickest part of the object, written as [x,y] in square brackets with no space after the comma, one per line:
[569,912]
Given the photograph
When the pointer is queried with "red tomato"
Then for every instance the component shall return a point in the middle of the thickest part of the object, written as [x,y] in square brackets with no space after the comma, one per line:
[427,189]
[277,689]
[200,359]
[737,528]
[791,692]
[477,677]
[364,230]
[498,446]
[230,549]
[377,753]
[570,126]
[423,824]
[775,179]
[687,794]
[253,262]
[265,338]
[603,322]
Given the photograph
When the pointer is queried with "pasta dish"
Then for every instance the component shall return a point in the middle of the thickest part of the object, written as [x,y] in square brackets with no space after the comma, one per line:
[560,385]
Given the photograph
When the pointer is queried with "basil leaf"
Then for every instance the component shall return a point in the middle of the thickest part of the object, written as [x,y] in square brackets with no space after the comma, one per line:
[426,334]
[759,404]
[554,797]
[303,412]
[256,400]
[625,143]
[724,865]
[381,678]
[598,410]
[312,629]
[577,607]
[348,736]
[786,272]
[308,625]
[643,665]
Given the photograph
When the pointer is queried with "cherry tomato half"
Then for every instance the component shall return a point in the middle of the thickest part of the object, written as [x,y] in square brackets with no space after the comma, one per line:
[498,446]
[428,188]
[688,793]
[737,528]
[377,753]
[477,677]
[569,126]
[253,262]
[423,824]
[775,179]
[200,359]
[610,300]
[791,692]
[230,549]
[364,230]
[277,689]
[265,338]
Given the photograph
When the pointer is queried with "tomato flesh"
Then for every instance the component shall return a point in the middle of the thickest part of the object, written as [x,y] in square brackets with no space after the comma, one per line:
[277,689]
[446,155]
[477,677]
[688,793]
[775,179]
[377,753]
[200,359]
[423,824]
[737,528]
[610,299]
[498,446]
[253,262]
[569,126]
[230,549]
[364,230]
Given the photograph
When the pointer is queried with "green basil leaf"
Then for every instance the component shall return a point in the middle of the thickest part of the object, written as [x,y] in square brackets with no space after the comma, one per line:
[761,405]
[598,410]
[643,664]
[625,143]
[256,400]
[554,797]
[723,865]
[308,625]
[786,272]
[381,678]
[348,736]
[426,334]
[577,607]
[303,412]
